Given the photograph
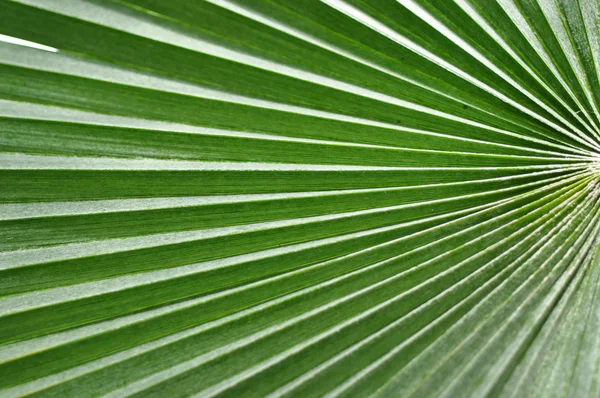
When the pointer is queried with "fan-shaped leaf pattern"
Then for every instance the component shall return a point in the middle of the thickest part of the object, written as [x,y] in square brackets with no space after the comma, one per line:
[339,198]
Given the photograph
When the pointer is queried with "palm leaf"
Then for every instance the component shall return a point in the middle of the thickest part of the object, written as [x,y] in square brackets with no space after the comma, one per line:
[299,198]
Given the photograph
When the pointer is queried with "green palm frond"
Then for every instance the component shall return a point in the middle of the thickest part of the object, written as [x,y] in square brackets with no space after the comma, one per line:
[300,198]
